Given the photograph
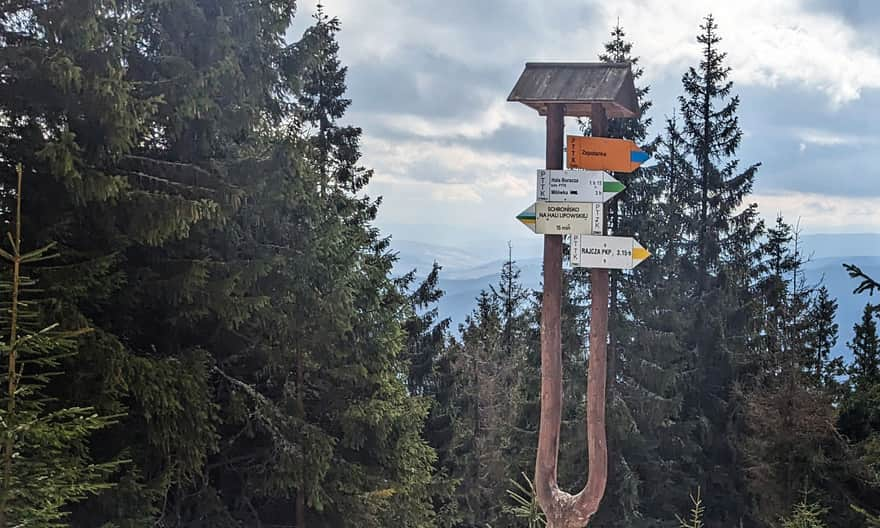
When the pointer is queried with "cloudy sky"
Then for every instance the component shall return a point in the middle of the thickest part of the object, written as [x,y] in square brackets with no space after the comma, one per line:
[455,162]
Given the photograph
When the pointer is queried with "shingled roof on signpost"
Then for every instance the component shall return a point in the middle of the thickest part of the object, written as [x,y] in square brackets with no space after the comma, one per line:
[578,85]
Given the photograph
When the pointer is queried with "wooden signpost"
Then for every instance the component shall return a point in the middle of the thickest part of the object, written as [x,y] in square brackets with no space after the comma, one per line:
[597,91]
[577,186]
[597,153]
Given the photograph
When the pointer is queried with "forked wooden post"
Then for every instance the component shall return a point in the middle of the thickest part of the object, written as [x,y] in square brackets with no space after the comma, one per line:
[562,509]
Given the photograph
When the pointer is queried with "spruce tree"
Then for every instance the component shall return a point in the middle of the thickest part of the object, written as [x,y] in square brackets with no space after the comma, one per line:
[209,246]
[865,346]
[495,403]
[625,218]
[711,127]
[426,334]
[431,377]
[822,337]
[83,119]
[522,443]
[658,445]
[43,443]
[789,438]
[483,379]
[335,357]
[511,295]
[711,130]
[859,420]
[806,514]
[334,147]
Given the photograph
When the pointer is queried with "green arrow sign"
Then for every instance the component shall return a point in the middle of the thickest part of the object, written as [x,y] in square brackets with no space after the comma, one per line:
[577,186]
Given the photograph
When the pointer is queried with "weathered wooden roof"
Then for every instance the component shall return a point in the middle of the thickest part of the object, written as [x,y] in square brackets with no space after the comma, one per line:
[577,85]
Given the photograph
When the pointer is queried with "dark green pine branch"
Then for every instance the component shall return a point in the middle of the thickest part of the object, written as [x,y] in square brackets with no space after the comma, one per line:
[867,285]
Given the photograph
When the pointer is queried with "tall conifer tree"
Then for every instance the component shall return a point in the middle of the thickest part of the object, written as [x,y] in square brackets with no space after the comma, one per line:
[625,218]
[715,231]
[711,127]
[789,438]
[44,460]
[210,246]
[822,337]
[341,321]
[495,407]
[483,380]
[865,346]
[431,377]
[90,128]
[859,420]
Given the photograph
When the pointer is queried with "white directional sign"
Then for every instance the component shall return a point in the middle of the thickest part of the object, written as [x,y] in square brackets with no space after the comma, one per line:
[562,218]
[576,186]
[588,251]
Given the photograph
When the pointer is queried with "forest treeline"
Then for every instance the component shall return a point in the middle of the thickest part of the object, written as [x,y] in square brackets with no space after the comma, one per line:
[202,327]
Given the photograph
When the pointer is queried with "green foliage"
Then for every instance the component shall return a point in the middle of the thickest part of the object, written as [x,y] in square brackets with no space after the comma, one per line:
[431,377]
[628,391]
[859,420]
[716,259]
[207,204]
[806,514]
[493,401]
[867,285]
[321,103]
[44,449]
[865,346]
[264,367]
[787,385]
[482,379]
[695,520]
[711,127]
[525,503]
[822,335]
[873,520]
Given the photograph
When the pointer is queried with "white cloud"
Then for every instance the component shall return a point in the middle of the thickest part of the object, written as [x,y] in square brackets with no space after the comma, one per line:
[455,193]
[769,42]
[464,173]
[498,113]
[828,138]
[820,213]
[378,30]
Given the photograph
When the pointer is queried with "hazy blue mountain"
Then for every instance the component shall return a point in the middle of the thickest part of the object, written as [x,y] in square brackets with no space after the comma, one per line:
[421,256]
[835,245]
[469,270]
[458,301]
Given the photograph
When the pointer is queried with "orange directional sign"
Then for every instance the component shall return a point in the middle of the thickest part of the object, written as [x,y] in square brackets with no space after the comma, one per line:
[597,153]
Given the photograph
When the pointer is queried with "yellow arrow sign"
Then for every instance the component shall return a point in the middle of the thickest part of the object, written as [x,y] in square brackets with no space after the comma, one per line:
[607,252]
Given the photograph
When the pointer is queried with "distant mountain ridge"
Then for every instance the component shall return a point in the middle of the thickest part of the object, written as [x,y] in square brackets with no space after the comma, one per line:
[466,272]
[821,246]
